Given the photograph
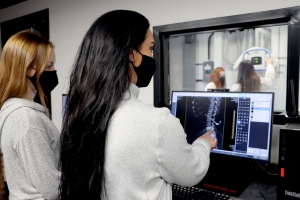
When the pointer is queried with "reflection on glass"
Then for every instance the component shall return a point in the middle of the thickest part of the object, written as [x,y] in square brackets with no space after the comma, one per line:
[193,57]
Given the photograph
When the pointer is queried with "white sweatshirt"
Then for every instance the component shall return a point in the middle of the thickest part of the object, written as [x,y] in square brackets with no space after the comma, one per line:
[147,151]
[210,85]
[30,145]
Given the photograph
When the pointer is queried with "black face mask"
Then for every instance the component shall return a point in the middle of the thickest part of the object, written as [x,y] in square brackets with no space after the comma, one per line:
[48,81]
[145,71]
[222,80]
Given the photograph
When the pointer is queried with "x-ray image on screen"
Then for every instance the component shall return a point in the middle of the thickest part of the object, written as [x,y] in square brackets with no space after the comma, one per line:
[200,114]
[241,122]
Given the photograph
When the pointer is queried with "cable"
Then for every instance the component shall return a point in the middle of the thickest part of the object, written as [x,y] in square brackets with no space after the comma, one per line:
[261,184]
[272,174]
[262,195]
[259,189]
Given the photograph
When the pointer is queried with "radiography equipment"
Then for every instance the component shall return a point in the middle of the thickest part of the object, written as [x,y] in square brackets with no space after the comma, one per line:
[256,55]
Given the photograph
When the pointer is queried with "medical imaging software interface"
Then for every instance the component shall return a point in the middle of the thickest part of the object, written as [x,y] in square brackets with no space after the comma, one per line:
[241,121]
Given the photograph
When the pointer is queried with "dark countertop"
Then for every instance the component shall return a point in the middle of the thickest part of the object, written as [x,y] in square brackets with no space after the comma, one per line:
[252,192]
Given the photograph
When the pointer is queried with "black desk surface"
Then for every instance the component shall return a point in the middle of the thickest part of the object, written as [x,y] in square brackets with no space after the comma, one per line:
[264,184]
[269,191]
[254,191]
[262,187]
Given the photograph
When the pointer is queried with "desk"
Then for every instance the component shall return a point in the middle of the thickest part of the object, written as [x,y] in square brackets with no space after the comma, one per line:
[262,183]
[252,192]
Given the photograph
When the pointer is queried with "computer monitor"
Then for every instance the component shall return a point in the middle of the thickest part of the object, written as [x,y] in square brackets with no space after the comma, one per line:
[218,90]
[242,121]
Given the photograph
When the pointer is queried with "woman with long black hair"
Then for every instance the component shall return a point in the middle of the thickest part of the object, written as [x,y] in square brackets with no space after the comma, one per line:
[113,145]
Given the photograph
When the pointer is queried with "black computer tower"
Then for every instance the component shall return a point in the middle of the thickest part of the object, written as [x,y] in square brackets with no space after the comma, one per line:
[289,163]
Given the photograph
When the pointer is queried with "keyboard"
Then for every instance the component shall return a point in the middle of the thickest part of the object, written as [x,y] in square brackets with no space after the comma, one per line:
[194,193]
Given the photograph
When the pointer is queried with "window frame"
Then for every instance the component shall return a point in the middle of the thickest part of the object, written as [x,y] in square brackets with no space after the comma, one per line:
[289,16]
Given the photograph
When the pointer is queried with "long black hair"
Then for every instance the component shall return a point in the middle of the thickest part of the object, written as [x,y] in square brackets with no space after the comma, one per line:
[99,78]
[248,78]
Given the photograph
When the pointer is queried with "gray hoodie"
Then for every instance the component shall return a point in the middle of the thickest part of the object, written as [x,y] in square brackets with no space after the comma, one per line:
[30,145]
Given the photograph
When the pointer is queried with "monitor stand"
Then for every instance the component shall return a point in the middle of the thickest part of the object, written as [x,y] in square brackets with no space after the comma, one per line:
[227,174]
[292,113]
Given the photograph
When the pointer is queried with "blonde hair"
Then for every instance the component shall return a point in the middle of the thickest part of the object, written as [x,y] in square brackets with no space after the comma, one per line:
[24,50]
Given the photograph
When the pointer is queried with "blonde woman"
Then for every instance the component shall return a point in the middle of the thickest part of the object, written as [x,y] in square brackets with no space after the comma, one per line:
[29,139]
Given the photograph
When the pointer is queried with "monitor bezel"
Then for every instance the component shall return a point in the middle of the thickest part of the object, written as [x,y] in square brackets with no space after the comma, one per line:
[218,90]
[62,104]
[253,160]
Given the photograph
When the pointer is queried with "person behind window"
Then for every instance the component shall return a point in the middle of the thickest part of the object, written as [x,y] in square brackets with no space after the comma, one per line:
[217,79]
[249,81]
[29,139]
[113,145]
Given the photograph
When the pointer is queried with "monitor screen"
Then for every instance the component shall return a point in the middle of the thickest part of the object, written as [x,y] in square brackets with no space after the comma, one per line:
[242,122]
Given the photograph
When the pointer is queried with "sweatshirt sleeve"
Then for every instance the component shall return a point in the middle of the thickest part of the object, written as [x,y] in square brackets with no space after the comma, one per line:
[38,161]
[210,85]
[235,88]
[180,162]
[267,81]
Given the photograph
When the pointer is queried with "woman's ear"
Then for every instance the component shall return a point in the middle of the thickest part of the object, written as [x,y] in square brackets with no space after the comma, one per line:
[132,55]
[30,71]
